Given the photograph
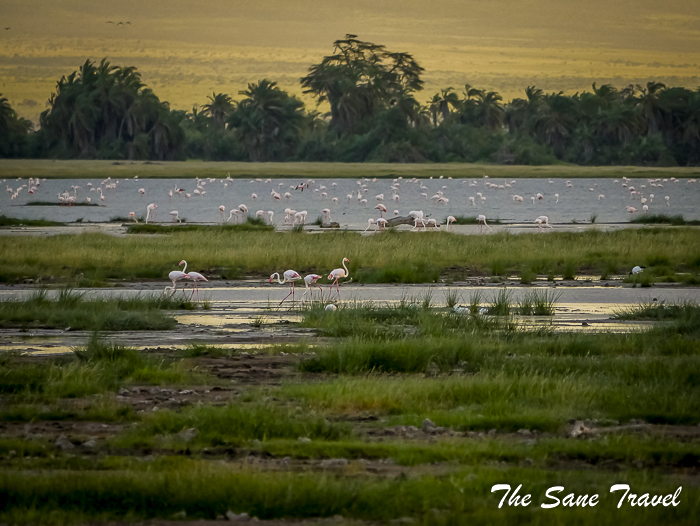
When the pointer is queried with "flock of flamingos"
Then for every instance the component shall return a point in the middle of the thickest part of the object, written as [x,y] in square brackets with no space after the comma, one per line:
[294,217]
[288,276]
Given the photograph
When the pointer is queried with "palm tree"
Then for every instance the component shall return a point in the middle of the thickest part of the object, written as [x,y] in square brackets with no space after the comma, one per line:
[219,107]
[490,111]
[650,106]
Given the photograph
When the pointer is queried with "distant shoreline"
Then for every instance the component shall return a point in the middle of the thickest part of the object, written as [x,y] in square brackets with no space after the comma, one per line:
[77,169]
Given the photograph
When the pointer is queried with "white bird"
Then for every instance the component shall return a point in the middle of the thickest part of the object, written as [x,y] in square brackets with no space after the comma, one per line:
[542,220]
[310,281]
[149,208]
[175,216]
[481,220]
[637,270]
[290,276]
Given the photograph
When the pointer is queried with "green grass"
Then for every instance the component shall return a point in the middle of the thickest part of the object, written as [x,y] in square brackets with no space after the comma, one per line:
[471,220]
[13,221]
[75,169]
[74,310]
[663,219]
[538,302]
[251,225]
[397,257]
[203,490]
[230,425]
[96,368]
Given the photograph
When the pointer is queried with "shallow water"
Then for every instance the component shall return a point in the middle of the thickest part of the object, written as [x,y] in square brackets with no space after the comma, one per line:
[246,315]
[576,203]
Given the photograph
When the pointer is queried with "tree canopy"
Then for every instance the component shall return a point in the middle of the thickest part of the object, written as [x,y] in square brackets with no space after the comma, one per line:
[375,112]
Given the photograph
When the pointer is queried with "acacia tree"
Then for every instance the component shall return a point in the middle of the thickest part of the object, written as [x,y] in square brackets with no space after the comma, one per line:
[359,80]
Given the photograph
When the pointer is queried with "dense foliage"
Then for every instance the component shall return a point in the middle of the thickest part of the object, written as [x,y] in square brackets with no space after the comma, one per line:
[105,111]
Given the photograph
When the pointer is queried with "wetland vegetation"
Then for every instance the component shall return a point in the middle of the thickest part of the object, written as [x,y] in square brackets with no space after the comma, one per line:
[405,410]
[249,250]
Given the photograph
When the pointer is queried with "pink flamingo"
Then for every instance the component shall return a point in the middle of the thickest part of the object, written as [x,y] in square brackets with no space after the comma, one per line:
[194,276]
[290,276]
[175,276]
[310,282]
[449,221]
[381,208]
[335,275]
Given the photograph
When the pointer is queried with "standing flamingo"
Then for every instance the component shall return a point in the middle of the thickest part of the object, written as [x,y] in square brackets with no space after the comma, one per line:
[149,208]
[290,276]
[132,217]
[310,282]
[370,222]
[481,219]
[222,213]
[175,215]
[327,215]
[450,220]
[176,276]
[336,274]
[381,208]
[195,277]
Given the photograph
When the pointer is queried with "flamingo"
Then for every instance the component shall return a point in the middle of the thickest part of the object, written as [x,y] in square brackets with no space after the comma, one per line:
[327,215]
[370,222]
[195,277]
[233,212]
[175,276]
[543,220]
[222,212]
[667,198]
[336,274]
[310,282]
[301,217]
[557,196]
[381,208]
[290,276]
[132,217]
[175,215]
[381,223]
[142,191]
[481,220]
[150,207]
[449,221]
[270,213]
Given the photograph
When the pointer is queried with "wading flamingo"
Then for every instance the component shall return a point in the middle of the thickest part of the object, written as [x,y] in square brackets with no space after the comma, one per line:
[335,275]
[195,277]
[290,276]
[310,282]
[450,220]
[132,217]
[381,208]
[175,276]
[370,222]
[481,220]
[175,215]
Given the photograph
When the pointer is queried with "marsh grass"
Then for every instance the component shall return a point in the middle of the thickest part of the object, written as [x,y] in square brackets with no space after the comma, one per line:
[98,367]
[501,303]
[401,257]
[539,302]
[475,300]
[57,203]
[231,425]
[13,221]
[251,225]
[471,220]
[212,351]
[663,219]
[452,298]
[72,309]
[160,488]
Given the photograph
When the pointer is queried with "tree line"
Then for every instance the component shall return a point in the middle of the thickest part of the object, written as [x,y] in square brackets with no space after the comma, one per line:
[377,114]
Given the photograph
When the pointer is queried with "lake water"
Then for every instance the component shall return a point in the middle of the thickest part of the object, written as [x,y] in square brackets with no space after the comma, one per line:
[576,202]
